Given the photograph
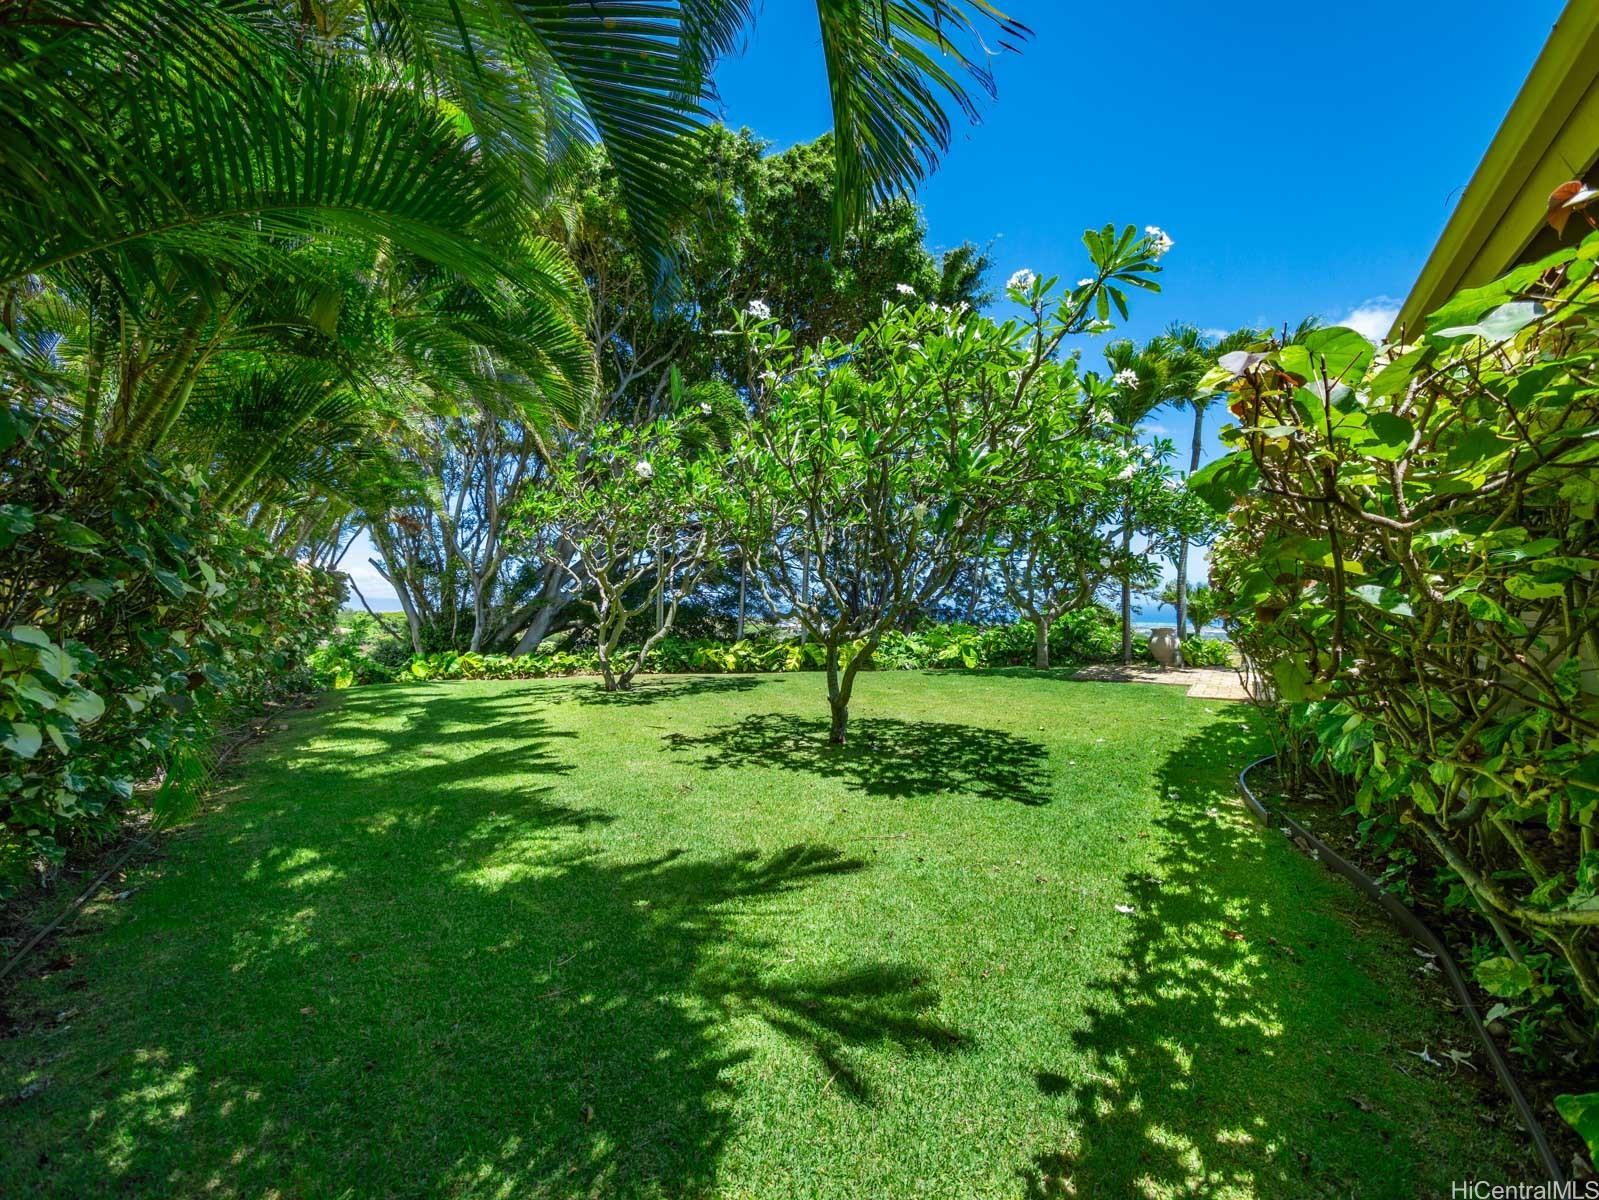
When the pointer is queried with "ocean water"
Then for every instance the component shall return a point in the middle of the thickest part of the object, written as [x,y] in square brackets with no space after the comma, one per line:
[1149,616]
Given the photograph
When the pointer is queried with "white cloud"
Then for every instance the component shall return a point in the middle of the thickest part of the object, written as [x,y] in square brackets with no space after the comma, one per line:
[1372,319]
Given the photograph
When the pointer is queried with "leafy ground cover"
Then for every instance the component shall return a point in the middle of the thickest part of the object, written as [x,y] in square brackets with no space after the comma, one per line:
[497,939]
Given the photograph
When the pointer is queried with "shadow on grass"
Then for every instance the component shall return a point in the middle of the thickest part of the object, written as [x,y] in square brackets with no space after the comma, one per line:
[1241,1043]
[1060,674]
[884,756]
[652,689]
[417,973]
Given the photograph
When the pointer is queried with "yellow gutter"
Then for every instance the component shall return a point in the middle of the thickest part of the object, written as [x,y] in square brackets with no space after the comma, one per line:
[1550,135]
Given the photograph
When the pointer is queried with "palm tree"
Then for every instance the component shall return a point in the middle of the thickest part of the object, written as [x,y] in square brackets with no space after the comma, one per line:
[1190,354]
[1140,385]
[197,196]
[637,75]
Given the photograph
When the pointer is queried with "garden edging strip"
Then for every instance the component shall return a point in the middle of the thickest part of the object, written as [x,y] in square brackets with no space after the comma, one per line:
[1416,929]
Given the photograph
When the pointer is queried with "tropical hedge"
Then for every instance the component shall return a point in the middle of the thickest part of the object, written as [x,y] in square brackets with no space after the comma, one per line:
[1083,636]
[134,618]
[1411,564]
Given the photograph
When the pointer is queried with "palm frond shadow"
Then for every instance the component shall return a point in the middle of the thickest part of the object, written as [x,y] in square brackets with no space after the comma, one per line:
[557,1018]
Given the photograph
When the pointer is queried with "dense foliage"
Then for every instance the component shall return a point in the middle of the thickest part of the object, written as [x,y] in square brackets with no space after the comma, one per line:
[134,618]
[1412,563]
[1085,635]
[270,275]
[872,471]
[627,515]
[751,224]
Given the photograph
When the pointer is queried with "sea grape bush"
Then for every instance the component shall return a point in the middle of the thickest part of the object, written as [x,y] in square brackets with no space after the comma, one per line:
[132,618]
[1411,560]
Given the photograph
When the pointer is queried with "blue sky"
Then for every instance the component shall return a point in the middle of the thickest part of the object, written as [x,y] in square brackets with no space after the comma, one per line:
[1304,157]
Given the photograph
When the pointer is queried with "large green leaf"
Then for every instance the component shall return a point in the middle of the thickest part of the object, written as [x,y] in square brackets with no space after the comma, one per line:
[1221,482]
[1504,977]
[1582,1114]
[21,738]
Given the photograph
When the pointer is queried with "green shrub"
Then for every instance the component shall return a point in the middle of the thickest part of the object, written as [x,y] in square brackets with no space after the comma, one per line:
[1089,635]
[137,618]
[343,660]
[1414,563]
[1080,636]
[1209,652]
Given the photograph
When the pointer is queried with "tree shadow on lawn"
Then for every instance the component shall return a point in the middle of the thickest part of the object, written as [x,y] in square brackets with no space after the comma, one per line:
[1245,1039]
[884,756]
[429,978]
[652,689]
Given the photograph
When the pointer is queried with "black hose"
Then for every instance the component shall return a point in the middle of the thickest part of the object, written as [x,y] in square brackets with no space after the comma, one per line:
[1413,927]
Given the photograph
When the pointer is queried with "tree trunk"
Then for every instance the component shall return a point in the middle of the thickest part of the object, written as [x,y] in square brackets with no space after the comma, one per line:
[538,629]
[1182,595]
[1127,595]
[609,626]
[660,587]
[402,593]
[479,617]
[552,601]
[837,734]
[1182,545]
[805,589]
[837,698]
[613,681]
[1041,643]
[743,582]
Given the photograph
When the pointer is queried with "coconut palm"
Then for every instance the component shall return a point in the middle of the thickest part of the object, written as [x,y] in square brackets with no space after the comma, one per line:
[1139,384]
[1189,355]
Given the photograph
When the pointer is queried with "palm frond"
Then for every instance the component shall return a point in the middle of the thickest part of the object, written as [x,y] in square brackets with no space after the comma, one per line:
[893,66]
[173,160]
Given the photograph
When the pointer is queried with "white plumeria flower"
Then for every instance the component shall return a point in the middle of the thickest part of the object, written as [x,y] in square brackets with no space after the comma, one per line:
[1160,241]
[904,289]
[1085,282]
[643,470]
[1127,378]
[1128,472]
[759,310]
[1022,281]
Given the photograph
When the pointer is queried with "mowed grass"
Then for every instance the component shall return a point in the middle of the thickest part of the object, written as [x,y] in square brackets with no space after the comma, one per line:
[524,940]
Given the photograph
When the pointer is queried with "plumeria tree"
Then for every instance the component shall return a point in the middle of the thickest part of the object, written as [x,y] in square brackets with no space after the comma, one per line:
[1059,545]
[629,517]
[873,470]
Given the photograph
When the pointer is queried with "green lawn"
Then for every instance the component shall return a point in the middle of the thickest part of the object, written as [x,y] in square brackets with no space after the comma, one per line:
[520,939]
